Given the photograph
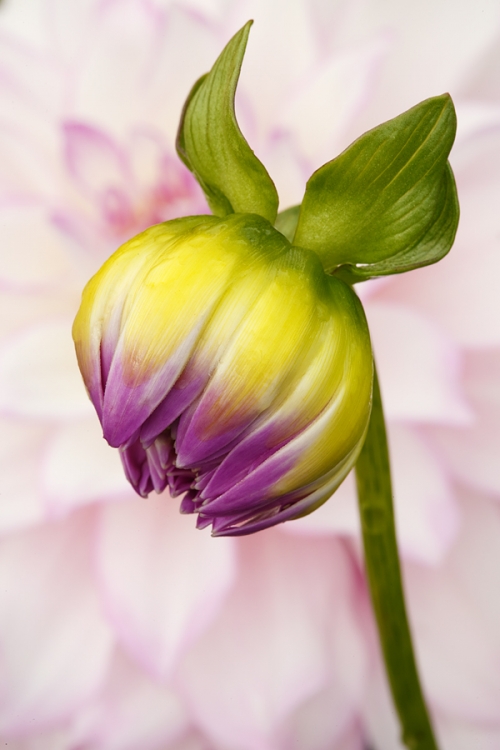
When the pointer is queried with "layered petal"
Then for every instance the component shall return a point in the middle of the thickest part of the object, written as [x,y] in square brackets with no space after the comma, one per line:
[258,361]
[21,446]
[161,327]
[94,160]
[316,726]
[288,645]
[33,252]
[315,380]
[216,337]
[167,586]
[345,80]
[308,466]
[471,452]
[98,324]
[38,375]
[454,617]
[80,468]
[420,366]
[123,45]
[130,712]
[54,642]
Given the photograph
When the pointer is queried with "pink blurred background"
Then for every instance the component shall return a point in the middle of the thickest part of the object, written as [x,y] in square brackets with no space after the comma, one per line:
[121,626]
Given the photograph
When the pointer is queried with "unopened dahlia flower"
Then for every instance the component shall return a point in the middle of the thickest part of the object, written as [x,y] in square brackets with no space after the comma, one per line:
[226,365]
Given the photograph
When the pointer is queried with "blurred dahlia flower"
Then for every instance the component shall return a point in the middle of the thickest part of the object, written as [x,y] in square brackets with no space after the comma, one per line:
[122,627]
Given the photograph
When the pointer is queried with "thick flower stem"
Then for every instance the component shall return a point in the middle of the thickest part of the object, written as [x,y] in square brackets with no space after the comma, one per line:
[373,475]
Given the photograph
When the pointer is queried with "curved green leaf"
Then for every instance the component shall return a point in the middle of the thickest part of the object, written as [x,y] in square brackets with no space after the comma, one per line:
[212,146]
[388,203]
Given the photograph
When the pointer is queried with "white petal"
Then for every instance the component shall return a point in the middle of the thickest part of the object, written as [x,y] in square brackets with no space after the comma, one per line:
[461,735]
[325,102]
[281,157]
[192,741]
[121,53]
[21,498]
[33,251]
[382,726]
[22,310]
[94,159]
[52,739]
[323,723]
[474,116]
[188,49]
[69,24]
[429,55]
[419,366]
[28,73]
[472,452]
[482,82]
[80,467]
[130,712]
[289,627]
[54,643]
[456,618]
[427,517]
[287,62]
[39,375]
[455,624]
[161,580]
[26,169]
[25,19]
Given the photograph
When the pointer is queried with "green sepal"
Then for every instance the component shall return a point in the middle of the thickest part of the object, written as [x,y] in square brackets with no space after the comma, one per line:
[388,203]
[212,146]
[180,143]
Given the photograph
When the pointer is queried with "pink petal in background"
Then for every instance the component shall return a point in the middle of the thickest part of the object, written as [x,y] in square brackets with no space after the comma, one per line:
[290,643]
[56,644]
[121,626]
[37,374]
[160,584]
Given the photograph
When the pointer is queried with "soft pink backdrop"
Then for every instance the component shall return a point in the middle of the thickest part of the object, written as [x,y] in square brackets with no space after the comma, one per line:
[121,626]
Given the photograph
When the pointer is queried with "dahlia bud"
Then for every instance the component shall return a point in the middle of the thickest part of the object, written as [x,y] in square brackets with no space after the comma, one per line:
[224,363]
[231,361]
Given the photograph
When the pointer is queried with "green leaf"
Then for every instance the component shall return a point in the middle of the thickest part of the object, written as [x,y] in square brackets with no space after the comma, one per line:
[388,203]
[212,146]
[180,143]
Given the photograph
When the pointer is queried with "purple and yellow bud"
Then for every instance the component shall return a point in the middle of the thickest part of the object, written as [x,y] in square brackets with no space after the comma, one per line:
[225,364]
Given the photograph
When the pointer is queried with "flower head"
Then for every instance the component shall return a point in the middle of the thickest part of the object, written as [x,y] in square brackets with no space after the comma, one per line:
[225,364]
[231,361]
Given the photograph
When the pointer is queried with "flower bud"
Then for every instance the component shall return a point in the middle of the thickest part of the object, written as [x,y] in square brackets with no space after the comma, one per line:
[225,364]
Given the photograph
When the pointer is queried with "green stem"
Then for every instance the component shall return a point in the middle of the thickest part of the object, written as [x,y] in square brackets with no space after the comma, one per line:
[373,475]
